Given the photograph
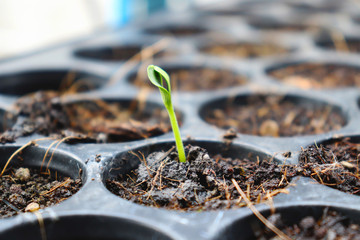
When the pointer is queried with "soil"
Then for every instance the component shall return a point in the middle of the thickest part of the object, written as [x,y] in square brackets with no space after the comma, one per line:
[233,12]
[245,50]
[180,31]
[195,79]
[352,45]
[26,189]
[334,164]
[331,225]
[274,116]
[119,53]
[90,121]
[201,183]
[318,75]
[115,53]
[309,8]
[278,26]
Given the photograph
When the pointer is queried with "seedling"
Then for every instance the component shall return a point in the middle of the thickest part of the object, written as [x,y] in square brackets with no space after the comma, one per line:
[161,79]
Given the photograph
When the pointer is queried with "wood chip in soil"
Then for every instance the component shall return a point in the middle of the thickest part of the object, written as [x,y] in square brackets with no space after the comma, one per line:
[21,188]
[93,121]
[202,183]
[334,164]
[275,116]
[318,76]
[195,79]
[331,225]
[245,50]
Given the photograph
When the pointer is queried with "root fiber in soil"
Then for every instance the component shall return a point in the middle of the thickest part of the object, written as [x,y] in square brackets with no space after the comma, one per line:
[274,116]
[333,164]
[27,189]
[202,183]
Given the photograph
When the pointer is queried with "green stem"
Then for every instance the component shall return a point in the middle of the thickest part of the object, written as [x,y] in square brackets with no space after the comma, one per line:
[176,131]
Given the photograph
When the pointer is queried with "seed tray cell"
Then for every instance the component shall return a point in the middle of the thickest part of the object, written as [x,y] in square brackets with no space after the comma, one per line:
[99,71]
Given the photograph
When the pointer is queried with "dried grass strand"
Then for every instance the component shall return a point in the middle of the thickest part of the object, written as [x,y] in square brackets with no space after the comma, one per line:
[132,62]
[32,142]
[250,205]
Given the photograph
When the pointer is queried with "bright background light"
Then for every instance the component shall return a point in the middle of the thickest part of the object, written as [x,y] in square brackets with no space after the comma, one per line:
[26,26]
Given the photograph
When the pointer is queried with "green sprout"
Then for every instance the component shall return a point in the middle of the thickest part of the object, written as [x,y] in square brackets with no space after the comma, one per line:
[157,76]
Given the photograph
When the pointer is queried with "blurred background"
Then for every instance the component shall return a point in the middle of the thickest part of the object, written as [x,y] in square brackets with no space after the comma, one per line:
[26,26]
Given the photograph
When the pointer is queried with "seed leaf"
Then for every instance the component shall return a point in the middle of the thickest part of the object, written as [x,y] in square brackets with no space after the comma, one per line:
[157,76]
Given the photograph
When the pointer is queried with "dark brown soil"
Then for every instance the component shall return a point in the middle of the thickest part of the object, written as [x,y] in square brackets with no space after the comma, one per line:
[18,190]
[118,53]
[202,183]
[196,79]
[352,45]
[94,121]
[335,165]
[317,75]
[233,12]
[278,26]
[177,31]
[275,116]
[245,50]
[310,9]
[115,53]
[331,225]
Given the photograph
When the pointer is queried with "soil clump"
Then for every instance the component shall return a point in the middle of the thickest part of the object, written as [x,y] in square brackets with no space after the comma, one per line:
[201,183]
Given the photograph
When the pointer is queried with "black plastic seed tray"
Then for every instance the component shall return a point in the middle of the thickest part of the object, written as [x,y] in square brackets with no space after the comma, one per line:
[298,31]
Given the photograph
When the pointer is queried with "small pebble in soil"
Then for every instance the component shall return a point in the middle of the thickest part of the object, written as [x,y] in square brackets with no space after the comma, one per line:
[230,134]
[269,128]
[287,154]
[32,207]
[23,174]
[27,190]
